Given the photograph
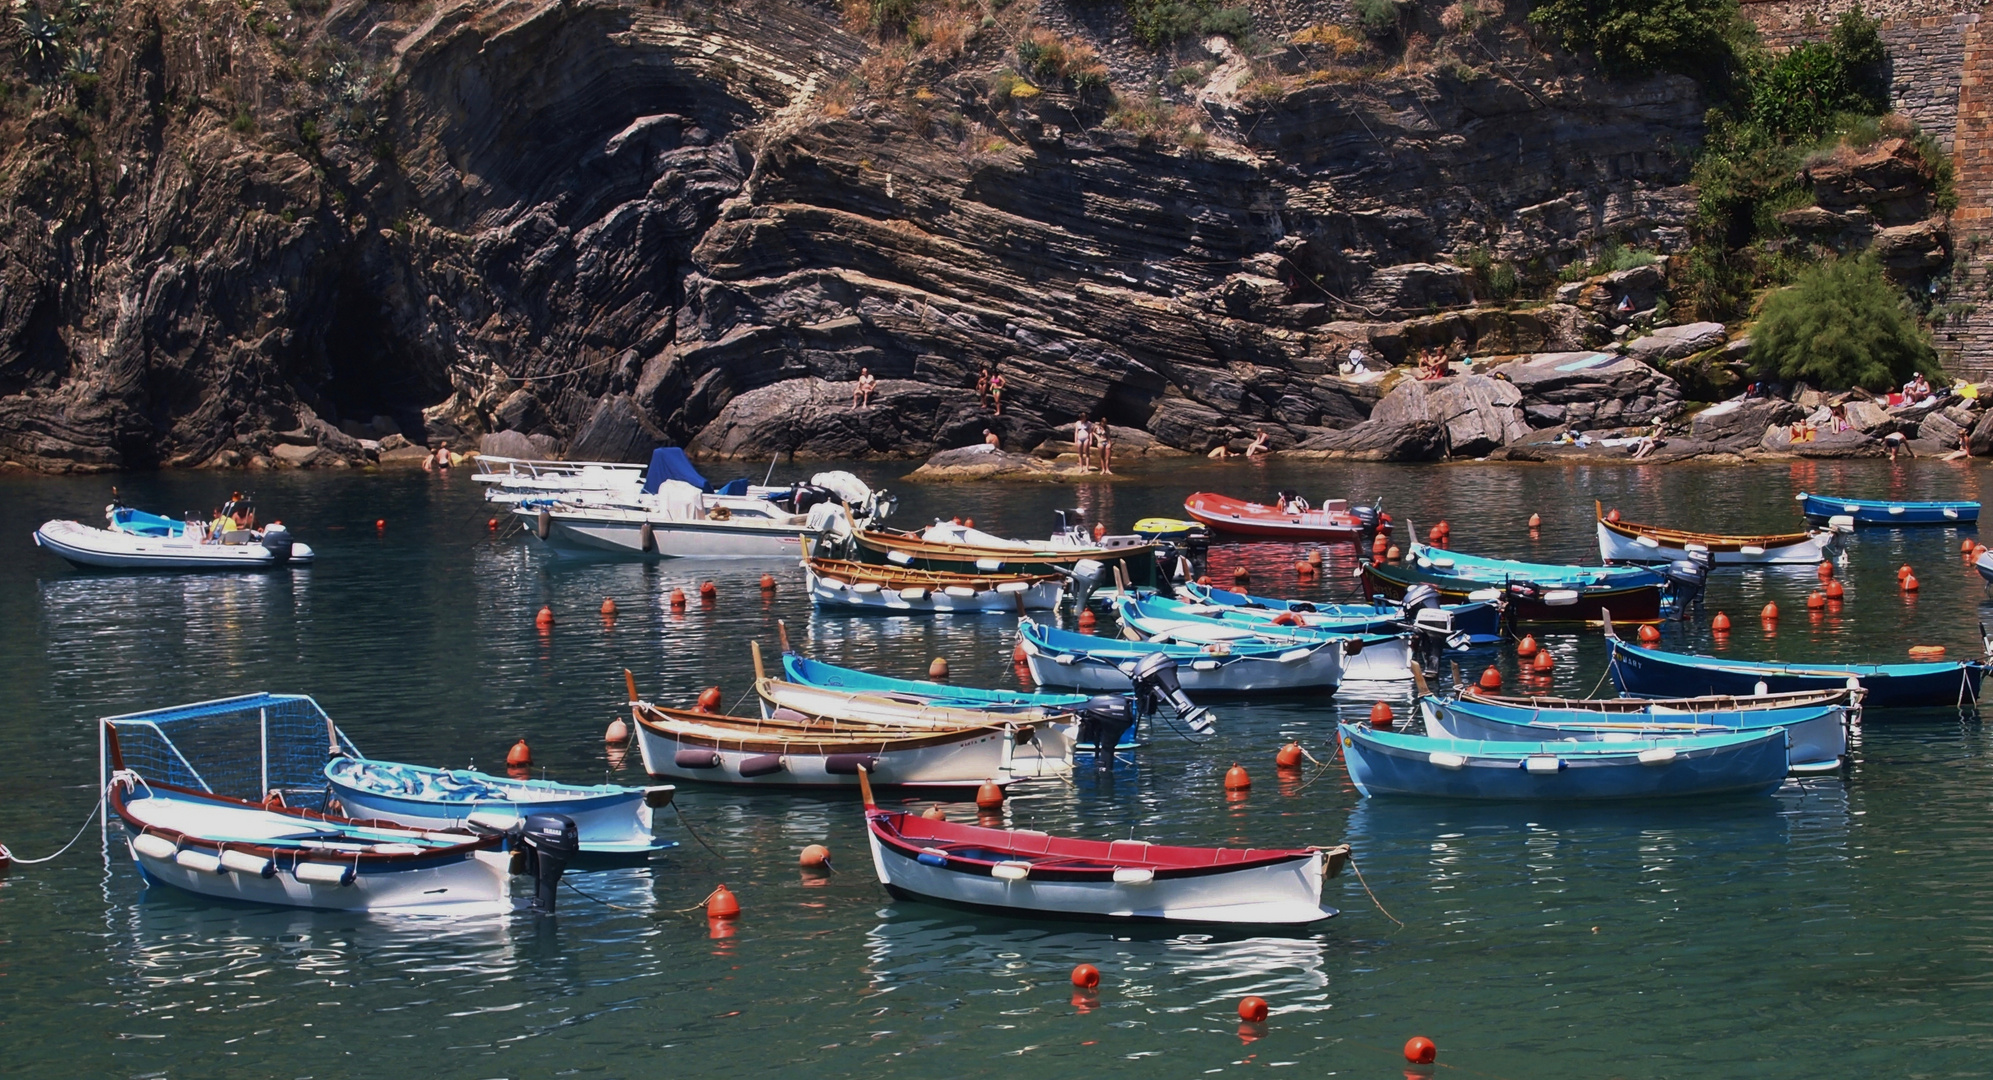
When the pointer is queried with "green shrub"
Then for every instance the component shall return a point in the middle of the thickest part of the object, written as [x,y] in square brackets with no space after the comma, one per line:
[1638,37]
[1798,95]
[1231,22]
[1841,325]
[1379,17]
[1162,22]
[1857,41]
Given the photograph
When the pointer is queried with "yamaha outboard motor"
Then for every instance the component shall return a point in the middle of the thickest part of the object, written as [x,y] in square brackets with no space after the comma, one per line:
[1156,684]
[1103,720]
[1367,515]
[1429,621]
[1086,578]
[1197,541]
[277,541]
[1686,580]
[551,841]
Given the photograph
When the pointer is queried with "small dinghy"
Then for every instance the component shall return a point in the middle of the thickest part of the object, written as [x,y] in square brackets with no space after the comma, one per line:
[1163,528]
[1288,517]
[1021,872]
[1817,736]
[611,819]
[896,590]
[1638,670]
[1063,658]
[136,540]
[1367,655]
[1731,763]
[1882,512]
[958,549]
[1576,598]
[1480,621]
[1626,541]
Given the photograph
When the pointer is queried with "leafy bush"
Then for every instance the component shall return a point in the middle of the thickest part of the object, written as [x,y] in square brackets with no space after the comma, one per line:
[1841,325]
[1161,22]
[1231,22]
[1380,17]
[1638,37]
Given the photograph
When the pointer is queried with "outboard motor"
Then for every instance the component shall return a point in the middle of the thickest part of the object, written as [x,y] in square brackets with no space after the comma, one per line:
[1367,515]
[1085,579]
[277,541]
[1686,580]
[1430,622]
[1197,541]
[551,841]
[1156,684]
[1103,720]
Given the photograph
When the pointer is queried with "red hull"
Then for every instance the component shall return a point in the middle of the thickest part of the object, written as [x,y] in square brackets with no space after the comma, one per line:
[1222,513]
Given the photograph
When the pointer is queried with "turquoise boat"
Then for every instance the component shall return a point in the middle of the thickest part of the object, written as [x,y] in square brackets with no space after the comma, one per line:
[802,669]
[1393,763]
[1885,512]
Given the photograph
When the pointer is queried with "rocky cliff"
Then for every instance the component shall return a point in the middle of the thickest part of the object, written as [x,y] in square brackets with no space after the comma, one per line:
[254,224]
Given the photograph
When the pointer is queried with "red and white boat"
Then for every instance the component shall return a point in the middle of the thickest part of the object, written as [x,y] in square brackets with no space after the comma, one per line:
[1027,873]
[1287,518]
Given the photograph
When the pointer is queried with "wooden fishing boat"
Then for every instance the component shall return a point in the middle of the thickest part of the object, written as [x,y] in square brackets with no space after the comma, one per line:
[1730,763]
[1689,706]
[1626,541]
[1377,656]
[611,819]
[874,587]
[1062,658]
[1528,601]
[1639,670]
[1853,512]
[1289,519]
[1458,564]
[810,672]
[1816,736]
[1059,555]
[1480,621]
[233,849]
[1027,873]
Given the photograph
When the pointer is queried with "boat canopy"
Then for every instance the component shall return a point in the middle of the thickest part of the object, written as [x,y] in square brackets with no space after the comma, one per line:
[670,463]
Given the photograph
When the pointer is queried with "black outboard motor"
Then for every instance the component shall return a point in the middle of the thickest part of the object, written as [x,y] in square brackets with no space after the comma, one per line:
[1197,541]
[1367,515]
[1156,685]
[803,496]
[277,541]
[1686,580]
[551,841]
[1103,720]
[1431,624]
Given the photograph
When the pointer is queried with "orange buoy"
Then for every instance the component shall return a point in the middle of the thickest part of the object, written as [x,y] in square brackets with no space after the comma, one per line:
[1391,553]
[1909,583]
[935,813]
[1527,647]
[1543,662]
[1286,618]
[957,520]
[1204,579]
[545,618]
[1236,778]
[1491,679]
[1017,653]
[1289,756]
[1445,527]
[618,731]
[678,598]
[275,799]
[768,583]
[1315,557]
[1927,652]
[1088,619]
[708,592]
[491,524]
[1826,570]
[1252,1009]
[1720,624]
[1770,613]
[1903,571]
[1434,536]
[1099,529]
[1086,976]
[1420,1050]
[1304,569]
[814,856]
[1834,590]
[1816,600]
[1649,633]
[937,668]
[609,606]
[1380,543]
[1380,715]
[380,524]
[1535,521]
[1612,515]
[968,523]
[709,699]
[722,904]
[989,797]
[1965,545]
[520,754]
[1242,574]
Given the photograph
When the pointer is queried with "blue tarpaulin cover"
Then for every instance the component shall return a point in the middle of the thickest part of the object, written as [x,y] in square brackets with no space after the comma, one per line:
[670,463]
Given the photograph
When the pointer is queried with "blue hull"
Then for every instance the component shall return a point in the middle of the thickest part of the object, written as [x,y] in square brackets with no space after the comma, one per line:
[1382,763]
[810,672]
[1481,622]
[1647,672]
[1815,736]
[1886,513]
[1444,562]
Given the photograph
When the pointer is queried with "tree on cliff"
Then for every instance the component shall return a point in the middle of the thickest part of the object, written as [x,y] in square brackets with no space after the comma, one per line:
[1841,325]
[1639,37]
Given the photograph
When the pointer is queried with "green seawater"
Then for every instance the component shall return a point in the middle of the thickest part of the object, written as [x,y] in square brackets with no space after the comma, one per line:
[1843,927]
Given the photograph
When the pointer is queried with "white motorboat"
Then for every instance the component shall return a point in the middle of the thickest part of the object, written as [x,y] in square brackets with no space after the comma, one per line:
[136,540]
[680,522]
[511,479]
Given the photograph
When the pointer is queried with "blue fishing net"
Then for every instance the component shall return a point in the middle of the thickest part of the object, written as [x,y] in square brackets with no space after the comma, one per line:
[243,747]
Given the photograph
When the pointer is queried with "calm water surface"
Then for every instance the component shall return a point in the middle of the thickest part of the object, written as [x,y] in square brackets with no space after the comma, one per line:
[1841,928]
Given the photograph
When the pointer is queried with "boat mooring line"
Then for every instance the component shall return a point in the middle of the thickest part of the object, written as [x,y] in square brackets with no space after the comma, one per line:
[690,833]
[1373,896]
[72,840]
[604,903]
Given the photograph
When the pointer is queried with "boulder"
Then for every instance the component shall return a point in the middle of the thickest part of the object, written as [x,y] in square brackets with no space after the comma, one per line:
[1888,179]
[1476,412]
[1378,440]
[512,444]
[1675,342]
[303,457]
[1740,423]
[981,462]
[1920,246]
[1190,425]
[1824,444]
[1642,286]
[1981,437]
[404,456]
[1590,388]
[1937,433]
[1414,288]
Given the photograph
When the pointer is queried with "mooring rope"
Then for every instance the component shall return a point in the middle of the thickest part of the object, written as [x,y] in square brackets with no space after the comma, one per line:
[65,847]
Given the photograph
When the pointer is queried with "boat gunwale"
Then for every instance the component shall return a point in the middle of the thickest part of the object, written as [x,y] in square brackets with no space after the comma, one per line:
[1715,542]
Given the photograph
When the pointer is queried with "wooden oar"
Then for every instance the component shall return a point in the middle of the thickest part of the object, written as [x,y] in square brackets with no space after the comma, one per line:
[754,647]
[865,787]
[630,682]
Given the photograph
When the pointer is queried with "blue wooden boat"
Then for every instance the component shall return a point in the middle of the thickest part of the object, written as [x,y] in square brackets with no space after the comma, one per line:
[802,669]
[1644,672]
[1370,655]
[1063,658]
[610,819]
[1888,512]
[1734,763]
[1481,621]
[1527,601]
[1456,564]
[1817,736]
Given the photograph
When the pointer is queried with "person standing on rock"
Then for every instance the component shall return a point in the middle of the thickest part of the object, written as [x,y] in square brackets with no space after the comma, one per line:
[983,387]
[996,392]
[1105,441]
[861,394]
[1083,440]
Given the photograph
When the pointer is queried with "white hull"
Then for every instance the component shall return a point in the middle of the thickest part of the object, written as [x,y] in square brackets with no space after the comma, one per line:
[974,759]
[1319,669]
[104,549]
[870,596]
[1616,548]
[1809,745]
[1381,661]
[620,532]
[604,826]
[1047,751]
[1288,893]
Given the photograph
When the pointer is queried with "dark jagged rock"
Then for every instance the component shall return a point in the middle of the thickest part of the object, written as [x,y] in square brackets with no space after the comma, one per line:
[1740,423]
[1476,413]
[1379,440]
[1591,390]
